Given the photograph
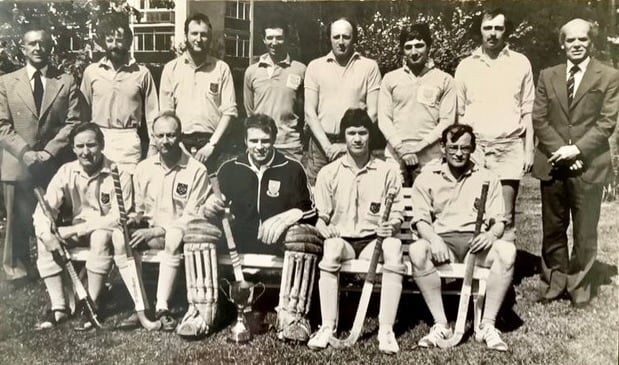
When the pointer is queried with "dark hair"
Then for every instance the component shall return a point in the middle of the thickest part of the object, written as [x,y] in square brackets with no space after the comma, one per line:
[491,14]
[109,24]
[419,31]
[356,117]
[455,131]
[89,126]
[355,31]
[274,23]
[198,18]
[168,114]
[260,121]
[36,26]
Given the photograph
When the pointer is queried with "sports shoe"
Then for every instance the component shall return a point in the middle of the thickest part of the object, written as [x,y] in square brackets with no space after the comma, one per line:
[438,331]
[387,343]
[130,323]
[320,339]
[53,318]
[168,323]
[297,330]
[492,337]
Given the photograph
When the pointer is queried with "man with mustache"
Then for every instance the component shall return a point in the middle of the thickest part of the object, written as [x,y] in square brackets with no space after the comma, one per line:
[495,96]
[39,106]
[200,89]
[120,94]
[340,80]
[274,86]
[416,102]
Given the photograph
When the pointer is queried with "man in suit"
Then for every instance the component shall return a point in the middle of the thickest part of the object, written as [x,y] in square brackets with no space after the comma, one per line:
[575,113]
[38,107]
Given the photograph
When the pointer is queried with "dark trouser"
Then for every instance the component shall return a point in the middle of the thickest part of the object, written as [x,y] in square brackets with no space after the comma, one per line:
[19,202]
[194,141]
[316,157]
[562,197]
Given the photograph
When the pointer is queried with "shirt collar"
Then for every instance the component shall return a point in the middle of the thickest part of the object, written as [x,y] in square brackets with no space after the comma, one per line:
[182,161]
[582,66]
[346,162]
[188,60]
[428,66]
[443,169]
[331,56]
[105,62]
[479,52]
[106,168]
[263,167]
[30,70]
[265,60]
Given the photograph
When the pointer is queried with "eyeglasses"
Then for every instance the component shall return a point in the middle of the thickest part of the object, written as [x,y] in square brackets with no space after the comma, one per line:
[453,149]
[408,47]
[498,28]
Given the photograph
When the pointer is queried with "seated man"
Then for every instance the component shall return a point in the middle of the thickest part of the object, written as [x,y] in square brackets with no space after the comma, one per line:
[84,187]
[444,197]
[169,188]
[267,194]
[350,194]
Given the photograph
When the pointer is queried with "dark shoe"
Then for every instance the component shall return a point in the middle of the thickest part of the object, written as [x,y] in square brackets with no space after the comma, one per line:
[84,324]
[53,318]
[580,305]
[168,323]
[130,323]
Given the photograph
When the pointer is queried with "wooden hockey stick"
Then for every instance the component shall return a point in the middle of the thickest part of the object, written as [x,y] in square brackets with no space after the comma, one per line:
[132,273]
[469,268]
[225,222]
[368,286]
[63,257]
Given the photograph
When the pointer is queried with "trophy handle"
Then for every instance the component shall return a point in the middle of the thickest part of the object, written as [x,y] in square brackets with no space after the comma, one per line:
[226,293]
[261,292]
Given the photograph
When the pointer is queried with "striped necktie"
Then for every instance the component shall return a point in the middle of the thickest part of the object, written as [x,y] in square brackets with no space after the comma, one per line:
[570,84]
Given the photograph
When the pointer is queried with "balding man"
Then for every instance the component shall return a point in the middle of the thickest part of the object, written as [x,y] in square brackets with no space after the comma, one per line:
[575,113]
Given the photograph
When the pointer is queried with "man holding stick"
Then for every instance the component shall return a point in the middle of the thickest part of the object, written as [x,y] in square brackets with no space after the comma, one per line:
[444,197]
[349,197]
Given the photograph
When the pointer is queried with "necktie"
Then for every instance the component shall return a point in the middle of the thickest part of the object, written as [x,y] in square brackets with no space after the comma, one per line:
[38,90]
[570,84]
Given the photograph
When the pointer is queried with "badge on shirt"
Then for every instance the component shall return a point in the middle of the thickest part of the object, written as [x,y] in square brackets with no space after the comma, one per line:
[105,198]
[273,188]
[293,81]
[214,87]
[181,189]
[427,95]
[374,208]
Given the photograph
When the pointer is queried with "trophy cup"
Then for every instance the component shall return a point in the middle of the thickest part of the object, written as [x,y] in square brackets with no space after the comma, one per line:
[241,294]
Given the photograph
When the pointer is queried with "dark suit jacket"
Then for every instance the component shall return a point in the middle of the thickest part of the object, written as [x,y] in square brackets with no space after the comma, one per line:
[587,123]
[22,128]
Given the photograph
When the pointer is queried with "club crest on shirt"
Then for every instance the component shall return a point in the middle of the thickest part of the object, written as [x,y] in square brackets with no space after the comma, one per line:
[105,198]
[214,87]
[374,208]
[273,188]
[181,189]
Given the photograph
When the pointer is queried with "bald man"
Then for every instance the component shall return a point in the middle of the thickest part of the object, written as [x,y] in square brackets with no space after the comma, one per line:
[575,113]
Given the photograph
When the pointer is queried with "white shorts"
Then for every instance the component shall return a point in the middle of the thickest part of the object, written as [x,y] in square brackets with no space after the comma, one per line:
[504,157]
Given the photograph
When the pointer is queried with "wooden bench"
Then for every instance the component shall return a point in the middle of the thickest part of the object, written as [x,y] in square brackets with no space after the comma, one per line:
[253,263]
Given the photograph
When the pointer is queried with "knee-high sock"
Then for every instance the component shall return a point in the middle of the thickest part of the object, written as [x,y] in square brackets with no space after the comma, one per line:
[168,270]
[429,283]
[55,290]
[390,292]
[497,285]
[95,284]
[328,287]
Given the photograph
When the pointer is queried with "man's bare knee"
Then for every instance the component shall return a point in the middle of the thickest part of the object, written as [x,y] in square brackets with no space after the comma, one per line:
[100,242]
[419,253]
[173,241]
[504,253]
[392,250]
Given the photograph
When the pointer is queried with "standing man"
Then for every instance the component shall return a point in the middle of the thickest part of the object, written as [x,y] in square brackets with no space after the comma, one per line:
[120,94]
[274,86]
[575,113]
[39,105]
[199,88]
[444,196]
[169,187]
[350,195]
[495,97]
[340,80]
[415,104]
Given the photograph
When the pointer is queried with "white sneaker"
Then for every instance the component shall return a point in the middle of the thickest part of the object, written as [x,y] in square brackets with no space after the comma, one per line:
[438,331]
[492,337]
[320,339]
[387,342]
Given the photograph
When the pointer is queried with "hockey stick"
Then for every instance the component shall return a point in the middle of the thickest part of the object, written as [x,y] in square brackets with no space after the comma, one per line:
[131,274]
[225,222]
[368,286]
[63,257]
[469,268]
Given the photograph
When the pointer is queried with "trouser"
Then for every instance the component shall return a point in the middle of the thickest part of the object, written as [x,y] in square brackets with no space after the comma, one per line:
[410,173]
[316,157]
[123,147]
[20,203]
[194,141]
[562,198]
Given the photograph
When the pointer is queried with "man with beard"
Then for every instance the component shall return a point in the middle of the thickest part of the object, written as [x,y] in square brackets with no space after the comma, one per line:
[416,102]
[340,80]
[120,94]
[274,86]
[495,96]
[39,105]
[200,89]
[169,187]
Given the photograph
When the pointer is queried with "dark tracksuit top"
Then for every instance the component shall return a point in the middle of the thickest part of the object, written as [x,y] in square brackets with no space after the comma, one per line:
[256,197]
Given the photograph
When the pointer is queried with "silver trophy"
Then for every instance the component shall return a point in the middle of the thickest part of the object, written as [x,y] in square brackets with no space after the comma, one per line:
[241,294]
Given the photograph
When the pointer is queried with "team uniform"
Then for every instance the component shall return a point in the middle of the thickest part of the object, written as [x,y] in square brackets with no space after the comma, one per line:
[118,101]
[338,88]
[277,91]
[416,109]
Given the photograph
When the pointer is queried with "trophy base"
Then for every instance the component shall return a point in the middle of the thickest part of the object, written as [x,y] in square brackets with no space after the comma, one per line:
[239,333]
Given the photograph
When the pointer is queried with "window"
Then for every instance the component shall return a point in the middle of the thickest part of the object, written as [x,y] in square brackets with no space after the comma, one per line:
[237,45]
[238,9]
[153,41]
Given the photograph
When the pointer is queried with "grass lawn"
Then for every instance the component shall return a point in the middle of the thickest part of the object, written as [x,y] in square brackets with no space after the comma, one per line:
[536,334]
